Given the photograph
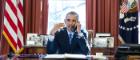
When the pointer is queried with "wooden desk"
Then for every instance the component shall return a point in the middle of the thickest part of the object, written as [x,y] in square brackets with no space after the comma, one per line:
[106,51]
[133,57]
[29,57]
[111,57]
[35,49]
[109,52]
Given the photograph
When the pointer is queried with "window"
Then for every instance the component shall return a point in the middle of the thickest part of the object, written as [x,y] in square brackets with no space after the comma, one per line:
[59,8]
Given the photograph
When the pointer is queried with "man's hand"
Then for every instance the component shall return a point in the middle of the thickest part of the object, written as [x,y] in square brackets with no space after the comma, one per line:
[56,28]
[78,27]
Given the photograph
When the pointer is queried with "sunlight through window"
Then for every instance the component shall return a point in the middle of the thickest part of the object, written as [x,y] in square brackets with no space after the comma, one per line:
[59,8]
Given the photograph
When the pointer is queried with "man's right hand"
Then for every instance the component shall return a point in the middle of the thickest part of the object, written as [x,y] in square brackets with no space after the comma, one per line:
[56,28]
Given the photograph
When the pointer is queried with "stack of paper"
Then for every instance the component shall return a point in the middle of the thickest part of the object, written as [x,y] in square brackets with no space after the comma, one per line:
[74,56]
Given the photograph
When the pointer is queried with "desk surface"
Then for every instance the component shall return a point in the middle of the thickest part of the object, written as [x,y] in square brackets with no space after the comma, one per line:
[40,57]
[64,56]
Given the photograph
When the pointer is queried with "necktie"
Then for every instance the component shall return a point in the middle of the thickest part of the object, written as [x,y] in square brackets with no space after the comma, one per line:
[70,38]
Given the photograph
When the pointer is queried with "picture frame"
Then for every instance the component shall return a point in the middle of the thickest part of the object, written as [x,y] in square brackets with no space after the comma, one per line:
[103,42]
[33,40]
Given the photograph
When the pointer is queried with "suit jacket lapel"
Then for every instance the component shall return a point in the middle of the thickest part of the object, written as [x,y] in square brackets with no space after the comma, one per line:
[66,35]
[73,40]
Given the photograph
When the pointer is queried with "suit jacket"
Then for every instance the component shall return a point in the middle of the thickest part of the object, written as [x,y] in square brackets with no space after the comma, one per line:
[61,44]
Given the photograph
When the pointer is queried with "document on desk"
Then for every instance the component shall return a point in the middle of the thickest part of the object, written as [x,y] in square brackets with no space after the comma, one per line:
[75,56]
[99,57]
[54,56]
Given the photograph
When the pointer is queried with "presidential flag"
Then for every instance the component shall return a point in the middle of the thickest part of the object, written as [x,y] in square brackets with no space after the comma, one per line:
[128,23]
[13,24]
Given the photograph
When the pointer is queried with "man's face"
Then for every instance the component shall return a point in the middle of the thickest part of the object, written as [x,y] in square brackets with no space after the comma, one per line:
[70,21]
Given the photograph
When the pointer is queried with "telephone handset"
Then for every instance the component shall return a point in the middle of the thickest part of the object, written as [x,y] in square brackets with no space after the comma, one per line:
[74,28]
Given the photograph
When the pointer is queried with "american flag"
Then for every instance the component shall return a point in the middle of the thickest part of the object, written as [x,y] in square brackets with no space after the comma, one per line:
[124,8]
[13,29]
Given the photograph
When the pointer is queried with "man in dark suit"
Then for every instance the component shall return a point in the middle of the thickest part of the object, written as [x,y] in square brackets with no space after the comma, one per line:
[70,39]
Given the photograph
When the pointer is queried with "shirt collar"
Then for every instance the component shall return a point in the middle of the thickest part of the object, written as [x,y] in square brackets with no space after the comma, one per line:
[70,32]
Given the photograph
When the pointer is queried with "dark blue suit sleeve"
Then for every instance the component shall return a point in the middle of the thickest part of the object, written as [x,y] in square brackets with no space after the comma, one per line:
[51,47]
[83,44]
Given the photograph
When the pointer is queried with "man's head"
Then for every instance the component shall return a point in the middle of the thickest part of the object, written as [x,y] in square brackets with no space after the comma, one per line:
[71,19]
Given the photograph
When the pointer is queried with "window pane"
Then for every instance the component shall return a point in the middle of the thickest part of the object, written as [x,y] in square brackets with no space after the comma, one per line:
[59,8]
